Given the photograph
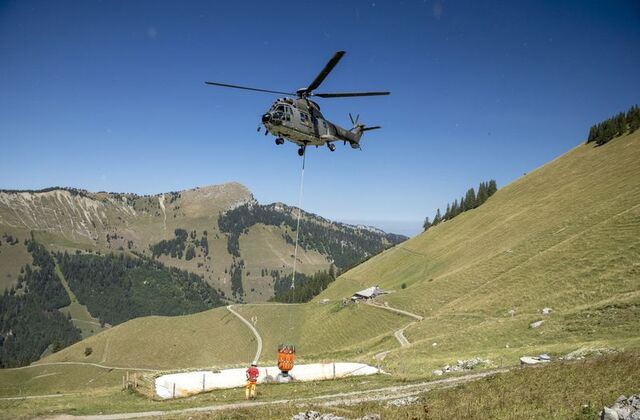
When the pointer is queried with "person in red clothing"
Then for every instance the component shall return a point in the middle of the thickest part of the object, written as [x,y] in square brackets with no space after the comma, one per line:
[252,379]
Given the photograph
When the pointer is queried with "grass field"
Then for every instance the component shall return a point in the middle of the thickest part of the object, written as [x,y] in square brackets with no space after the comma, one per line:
[566,236]
[56,379]
[12,257]
[324,332]
[213,338]
[570,389]
[269,250]
[567,390]
[111,399]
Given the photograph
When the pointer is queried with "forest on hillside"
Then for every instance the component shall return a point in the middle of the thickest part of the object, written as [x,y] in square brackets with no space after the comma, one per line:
[116,288]
[306,287]
[30,320]
[344,245]
[182,244]
[469,201]
[616,126]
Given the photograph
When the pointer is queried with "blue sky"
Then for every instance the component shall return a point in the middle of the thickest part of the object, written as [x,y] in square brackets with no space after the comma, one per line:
[109,95]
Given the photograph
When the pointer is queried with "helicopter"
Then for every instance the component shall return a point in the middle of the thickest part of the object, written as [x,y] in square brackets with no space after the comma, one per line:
[299,120]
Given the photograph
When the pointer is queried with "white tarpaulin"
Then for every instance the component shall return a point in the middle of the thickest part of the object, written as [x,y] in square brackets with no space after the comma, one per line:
[187,383]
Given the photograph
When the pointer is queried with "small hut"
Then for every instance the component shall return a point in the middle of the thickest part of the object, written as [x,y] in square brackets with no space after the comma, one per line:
[368,293]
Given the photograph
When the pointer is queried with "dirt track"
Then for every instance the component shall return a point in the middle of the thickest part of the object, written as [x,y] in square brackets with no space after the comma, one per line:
[253,330]
[350,398]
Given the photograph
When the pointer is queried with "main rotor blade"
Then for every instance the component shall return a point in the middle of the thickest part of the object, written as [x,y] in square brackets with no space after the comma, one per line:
[349,94]
[325,71]
[248,88]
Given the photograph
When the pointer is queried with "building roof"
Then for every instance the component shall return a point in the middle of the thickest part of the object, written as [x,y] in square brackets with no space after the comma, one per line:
[369,292]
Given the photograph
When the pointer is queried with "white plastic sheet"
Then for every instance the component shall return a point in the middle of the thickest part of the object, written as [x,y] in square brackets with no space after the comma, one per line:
[188,383]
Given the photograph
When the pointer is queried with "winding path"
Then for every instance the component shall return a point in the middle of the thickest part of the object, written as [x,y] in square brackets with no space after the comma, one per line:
[35,365]
[349,398]
[253,330]
[399,334]
[399,311]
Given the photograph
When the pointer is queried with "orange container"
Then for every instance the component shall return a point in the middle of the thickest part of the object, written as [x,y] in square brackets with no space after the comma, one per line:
[286,354]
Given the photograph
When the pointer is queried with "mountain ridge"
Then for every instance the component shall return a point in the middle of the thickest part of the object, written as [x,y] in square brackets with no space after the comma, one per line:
[72,219]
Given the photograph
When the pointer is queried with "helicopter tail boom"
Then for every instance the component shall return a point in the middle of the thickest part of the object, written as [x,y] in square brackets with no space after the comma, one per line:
[359,129]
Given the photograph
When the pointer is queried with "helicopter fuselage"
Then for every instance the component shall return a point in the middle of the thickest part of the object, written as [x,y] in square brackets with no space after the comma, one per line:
[301,122]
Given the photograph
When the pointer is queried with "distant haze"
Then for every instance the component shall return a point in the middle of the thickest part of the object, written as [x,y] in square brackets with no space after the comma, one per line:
[402,227]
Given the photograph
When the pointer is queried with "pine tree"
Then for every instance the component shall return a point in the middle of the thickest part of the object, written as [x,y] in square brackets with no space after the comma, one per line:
[592,134]
[608,131]
[470,199]
[482,193]
[437,219]
[426,225]
[633,118]
[621,124]
[455,210]
[492,188]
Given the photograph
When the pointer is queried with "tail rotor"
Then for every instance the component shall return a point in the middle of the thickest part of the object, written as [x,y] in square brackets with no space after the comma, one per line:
[354,122]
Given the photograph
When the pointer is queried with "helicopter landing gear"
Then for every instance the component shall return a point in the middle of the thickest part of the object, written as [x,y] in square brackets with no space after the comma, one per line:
[279,140]
[301,151]
[331,147]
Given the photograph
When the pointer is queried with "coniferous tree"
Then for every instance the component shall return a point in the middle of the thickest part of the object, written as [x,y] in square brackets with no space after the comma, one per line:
[616,126]
[438,218]
[610,130]
[633,118]
[621,124]
[593,131]
[470,199]
[492,188]
[482,194]
[454,209]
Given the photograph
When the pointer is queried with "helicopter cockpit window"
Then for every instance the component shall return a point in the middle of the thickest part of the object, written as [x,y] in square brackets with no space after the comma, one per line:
[278,112]
[287,113]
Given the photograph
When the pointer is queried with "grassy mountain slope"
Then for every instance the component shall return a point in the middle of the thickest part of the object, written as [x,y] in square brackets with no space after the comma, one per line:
[218,338]
[566,236]
[206,339]
[70,220]
[324,331]
[13,255]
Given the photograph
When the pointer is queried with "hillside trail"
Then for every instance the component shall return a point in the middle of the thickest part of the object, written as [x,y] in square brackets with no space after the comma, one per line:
[253,330]
[398,334]
[330,400]
[84,364]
